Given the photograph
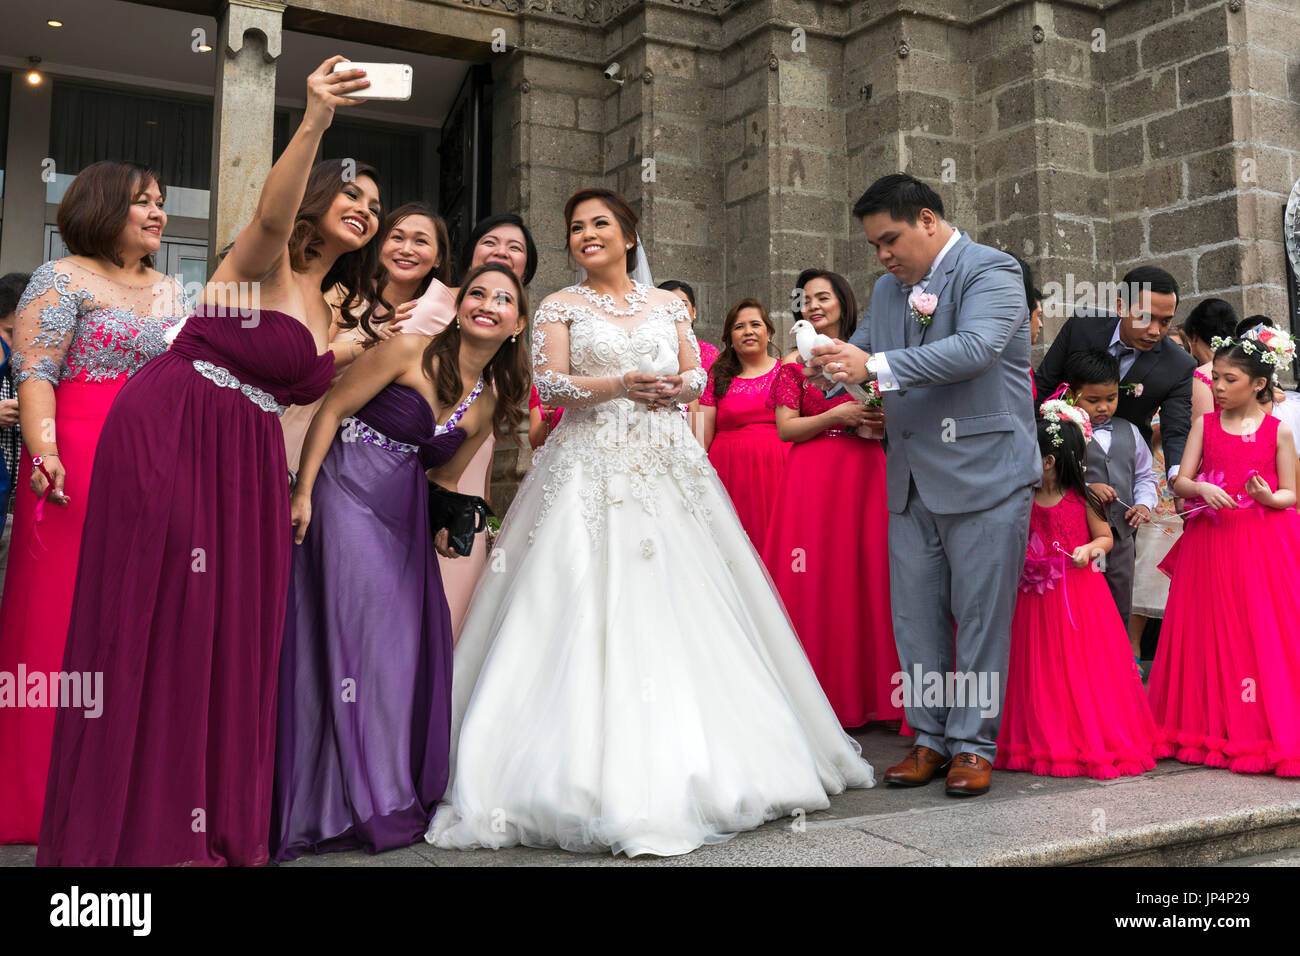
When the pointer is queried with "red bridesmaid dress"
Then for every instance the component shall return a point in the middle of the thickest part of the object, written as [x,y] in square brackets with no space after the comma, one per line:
[827,550]
[746,452]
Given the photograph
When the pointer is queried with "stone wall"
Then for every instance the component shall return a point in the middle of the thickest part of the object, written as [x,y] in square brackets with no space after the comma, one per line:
[1086,136]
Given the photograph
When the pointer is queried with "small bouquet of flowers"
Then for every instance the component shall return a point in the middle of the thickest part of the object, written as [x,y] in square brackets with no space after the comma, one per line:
[1134,389]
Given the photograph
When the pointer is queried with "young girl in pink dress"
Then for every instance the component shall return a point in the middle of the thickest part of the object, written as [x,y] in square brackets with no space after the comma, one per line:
[827,546]
[1225,685]
[1074,704]
[735,423]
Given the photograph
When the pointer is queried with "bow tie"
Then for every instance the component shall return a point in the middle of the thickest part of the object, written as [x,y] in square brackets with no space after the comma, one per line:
[1102,428]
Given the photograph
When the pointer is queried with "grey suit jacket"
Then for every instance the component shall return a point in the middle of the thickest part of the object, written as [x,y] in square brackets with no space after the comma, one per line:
[961,424]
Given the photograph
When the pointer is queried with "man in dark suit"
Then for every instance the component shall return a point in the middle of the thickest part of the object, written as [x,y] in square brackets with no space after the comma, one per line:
[1137,335]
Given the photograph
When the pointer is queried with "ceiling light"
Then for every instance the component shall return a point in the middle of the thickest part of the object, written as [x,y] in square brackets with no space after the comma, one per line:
[34,78]
[54,23]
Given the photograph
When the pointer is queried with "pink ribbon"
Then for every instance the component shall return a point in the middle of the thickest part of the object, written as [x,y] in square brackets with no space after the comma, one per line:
[39,514]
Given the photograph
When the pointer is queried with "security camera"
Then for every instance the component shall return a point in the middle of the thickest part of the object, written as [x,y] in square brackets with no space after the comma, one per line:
[611,73]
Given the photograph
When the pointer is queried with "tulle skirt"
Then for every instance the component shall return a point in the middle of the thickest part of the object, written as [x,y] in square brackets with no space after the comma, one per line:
[1225,685]
[1074,703]
[627,679]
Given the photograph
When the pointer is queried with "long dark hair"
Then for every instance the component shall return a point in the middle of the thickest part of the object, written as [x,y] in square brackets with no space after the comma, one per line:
[1071,463]
[379,280]
[727,365]
[843,294]
[353,271]
[1252,363]
[509,371]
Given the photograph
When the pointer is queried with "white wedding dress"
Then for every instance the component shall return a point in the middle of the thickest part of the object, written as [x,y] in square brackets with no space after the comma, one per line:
[627,679]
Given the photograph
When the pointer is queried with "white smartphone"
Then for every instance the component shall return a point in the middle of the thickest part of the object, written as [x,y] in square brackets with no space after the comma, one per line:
[388,81]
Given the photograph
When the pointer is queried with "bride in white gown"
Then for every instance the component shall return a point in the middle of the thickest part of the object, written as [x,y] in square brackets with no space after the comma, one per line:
[627,679]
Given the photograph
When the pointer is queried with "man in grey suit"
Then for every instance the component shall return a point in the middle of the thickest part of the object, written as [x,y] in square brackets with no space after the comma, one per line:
[961,461]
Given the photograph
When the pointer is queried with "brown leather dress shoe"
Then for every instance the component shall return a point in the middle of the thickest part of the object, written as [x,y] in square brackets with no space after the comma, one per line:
[969,776]
[918,767]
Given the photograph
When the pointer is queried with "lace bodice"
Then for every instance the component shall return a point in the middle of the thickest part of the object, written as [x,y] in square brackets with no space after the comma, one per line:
[581,352]
[1054,533]
[1065,523]
[76,324]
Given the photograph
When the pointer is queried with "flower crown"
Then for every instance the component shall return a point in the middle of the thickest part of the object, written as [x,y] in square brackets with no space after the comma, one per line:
[1056,410]
[1274,347]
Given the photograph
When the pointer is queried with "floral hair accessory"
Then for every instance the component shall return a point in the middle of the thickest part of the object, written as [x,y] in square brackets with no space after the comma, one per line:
[1275,347]
[1056,410]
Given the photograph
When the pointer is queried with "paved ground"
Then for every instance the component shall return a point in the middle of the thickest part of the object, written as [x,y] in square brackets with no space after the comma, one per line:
[1175,815]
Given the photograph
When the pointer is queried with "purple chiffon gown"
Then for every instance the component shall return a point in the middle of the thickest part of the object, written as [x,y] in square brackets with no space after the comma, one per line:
[180,603]
[365,671]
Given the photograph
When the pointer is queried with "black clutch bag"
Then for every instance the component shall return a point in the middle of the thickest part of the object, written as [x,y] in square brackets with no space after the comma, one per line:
[462,515]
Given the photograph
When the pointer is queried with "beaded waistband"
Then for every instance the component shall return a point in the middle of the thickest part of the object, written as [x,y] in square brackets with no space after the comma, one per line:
[224,378]
[354,429]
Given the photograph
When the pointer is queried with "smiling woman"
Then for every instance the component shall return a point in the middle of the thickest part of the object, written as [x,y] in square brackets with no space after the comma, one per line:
[85,324]
[186,550]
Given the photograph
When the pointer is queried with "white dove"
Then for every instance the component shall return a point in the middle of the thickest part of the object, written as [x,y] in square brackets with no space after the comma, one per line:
[663,362]
[807,338]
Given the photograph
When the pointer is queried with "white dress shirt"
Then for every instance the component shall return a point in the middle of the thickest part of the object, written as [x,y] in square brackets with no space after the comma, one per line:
[878,363]
[1126,354]
[1146,489]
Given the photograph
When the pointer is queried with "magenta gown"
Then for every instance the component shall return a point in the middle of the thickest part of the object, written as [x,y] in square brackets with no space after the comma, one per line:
[1225,684]
[746,452]
[1074,704]
[828,555]
[93,335]
[180,603]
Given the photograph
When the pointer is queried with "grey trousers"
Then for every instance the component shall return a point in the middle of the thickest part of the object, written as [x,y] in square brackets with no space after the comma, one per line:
[956,571]
[1120,565]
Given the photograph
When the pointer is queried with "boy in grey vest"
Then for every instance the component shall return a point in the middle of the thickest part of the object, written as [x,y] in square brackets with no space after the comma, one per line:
[1118,465]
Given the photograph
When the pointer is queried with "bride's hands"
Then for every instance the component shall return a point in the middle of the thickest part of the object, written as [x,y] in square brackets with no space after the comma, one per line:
[670,387]
[643,387]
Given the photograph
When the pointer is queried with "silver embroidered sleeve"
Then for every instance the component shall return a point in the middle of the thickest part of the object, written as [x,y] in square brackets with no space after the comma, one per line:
[555,386]
[45,325]
[45,370]
[695,378]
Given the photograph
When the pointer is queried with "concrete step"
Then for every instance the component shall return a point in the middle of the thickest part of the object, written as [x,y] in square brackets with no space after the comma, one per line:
[1175,815]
